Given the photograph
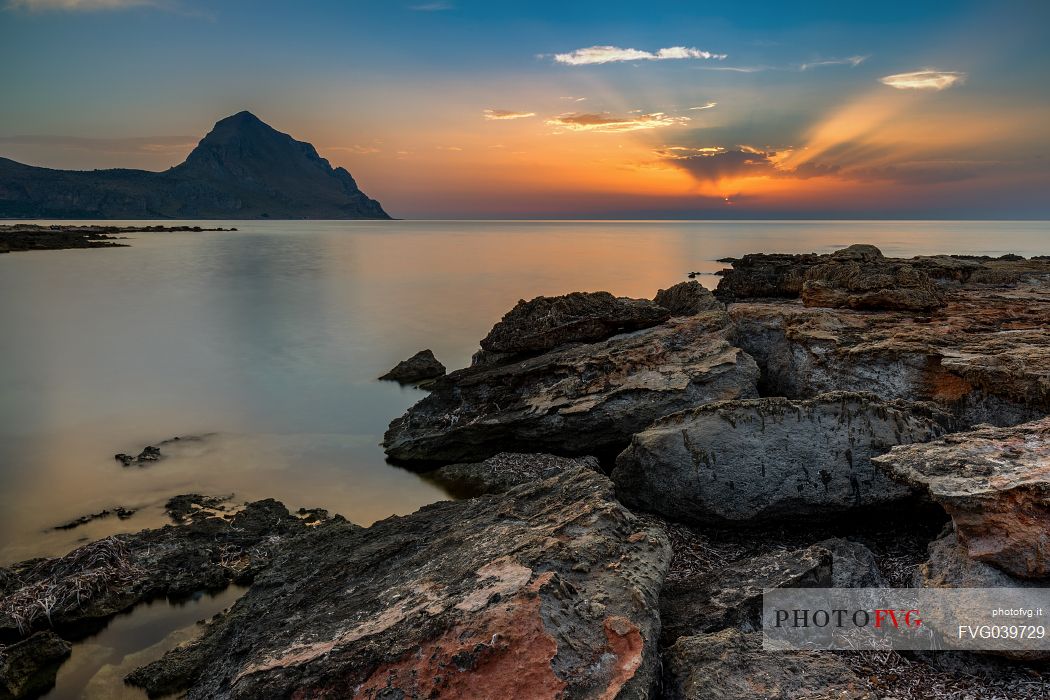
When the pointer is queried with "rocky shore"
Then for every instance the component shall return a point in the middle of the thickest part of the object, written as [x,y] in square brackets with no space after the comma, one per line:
[633,473]
[23,237]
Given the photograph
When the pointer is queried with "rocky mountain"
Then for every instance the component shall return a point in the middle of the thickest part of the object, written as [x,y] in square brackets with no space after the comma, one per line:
[243,169]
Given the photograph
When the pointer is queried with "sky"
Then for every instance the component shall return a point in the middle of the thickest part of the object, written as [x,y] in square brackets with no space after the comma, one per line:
[663,110]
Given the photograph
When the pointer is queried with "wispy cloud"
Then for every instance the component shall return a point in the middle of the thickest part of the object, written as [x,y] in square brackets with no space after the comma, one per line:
[709,105]
[928,79]
[852,61]
[614,54]
[356,148]
[611,124]
[431,7]
[572,98]
[503,114]
[713,163]
[737,69]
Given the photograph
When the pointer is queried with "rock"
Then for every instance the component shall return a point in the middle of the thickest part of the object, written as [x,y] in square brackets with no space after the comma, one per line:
[950,566]
[761,275]
[28,668]
[545,323]
[687,299]
[422,365]
[754,460]
[548,590]
[78,593]
[870,285]
[580,400]
[995,484]
[731,665]
[120,511]
[504,471]
[985,356]
[149,454]
[853,565]
[733,596]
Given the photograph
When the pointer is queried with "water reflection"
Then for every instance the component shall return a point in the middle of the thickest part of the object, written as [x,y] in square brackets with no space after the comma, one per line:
[272,336]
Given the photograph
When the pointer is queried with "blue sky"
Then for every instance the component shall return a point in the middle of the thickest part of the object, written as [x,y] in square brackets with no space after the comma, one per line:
[804,120]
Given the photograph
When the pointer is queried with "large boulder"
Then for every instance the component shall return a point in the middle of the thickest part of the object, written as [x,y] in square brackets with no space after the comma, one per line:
[995,484]
[579,400]
[731,665]
[766,459]
[504,471]
[544,323]
[687,298]
[853,285]
[549,590]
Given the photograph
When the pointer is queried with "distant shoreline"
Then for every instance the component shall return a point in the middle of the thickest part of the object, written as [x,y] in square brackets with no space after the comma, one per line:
[24,237]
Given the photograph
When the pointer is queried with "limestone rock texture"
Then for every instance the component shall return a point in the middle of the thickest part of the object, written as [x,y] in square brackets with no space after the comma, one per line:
[504,471]
[578,400]
[545,323]
[995,484]
[687,298]
[766,459]
[731,665]
[549,590]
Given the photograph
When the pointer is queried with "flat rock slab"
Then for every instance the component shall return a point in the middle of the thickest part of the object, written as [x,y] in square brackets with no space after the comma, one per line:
[770,459]
[995,483]
[581,400]
[731,665]
[549,590]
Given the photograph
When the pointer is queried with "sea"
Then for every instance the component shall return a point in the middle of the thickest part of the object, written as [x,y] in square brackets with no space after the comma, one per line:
[259,348]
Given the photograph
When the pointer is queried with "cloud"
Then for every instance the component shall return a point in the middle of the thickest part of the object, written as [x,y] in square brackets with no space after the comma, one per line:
[141,145]
[737,69]
[356,148]
[431,7]
[610,124]
[714,163]
[928,79]
[852,61]
[572,98]
[709,105]
[613,54]
[500,114]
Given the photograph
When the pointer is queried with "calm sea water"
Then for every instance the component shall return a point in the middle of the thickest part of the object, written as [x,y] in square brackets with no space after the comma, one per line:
[269,339]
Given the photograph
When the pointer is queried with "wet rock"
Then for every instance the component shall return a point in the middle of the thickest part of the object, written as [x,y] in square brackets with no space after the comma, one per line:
[78,593]
[580,400]
[551,587]
[149,453]
[687,299]
[28,667]
[423,365]
[733,596]
[853,565]
[985,356]
[995,484]
[120,511]
[545,323]
[731,665]
[504,471]
[771,459]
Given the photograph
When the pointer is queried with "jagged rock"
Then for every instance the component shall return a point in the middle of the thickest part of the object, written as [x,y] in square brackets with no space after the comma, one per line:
[580,400]
[762,275]
[767,459]
[209,548]
[119,511]
[545,323]
[422,365]
[853,565]
[731,665]
[733,597]
[985,356]
[995,483]
[687,298]
[504,471]
[28,667]
[950,566]
[548,590]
